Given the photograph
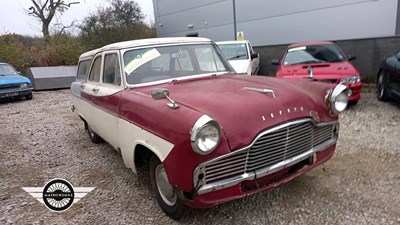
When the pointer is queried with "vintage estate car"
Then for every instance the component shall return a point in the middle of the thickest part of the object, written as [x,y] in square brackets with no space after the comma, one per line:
[207,136]
[388,78]
[241,56]
[12,84]
[320,61]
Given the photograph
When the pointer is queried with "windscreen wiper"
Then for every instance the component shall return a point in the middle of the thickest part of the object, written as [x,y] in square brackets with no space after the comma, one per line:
[237,56]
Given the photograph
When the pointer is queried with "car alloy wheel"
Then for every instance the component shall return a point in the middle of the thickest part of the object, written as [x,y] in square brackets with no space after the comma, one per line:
[381,86]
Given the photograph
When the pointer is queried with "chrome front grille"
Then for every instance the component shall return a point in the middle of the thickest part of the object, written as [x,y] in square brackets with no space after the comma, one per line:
[270,148]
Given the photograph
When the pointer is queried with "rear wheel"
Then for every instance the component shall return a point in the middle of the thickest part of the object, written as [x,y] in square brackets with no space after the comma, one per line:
[93,136]
[382,87]
[164,191]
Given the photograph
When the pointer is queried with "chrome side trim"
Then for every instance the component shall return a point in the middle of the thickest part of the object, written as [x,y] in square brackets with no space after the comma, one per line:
[261,90]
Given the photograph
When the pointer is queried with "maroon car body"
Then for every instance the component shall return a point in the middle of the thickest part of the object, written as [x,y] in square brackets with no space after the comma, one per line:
[328,64]
[209,136]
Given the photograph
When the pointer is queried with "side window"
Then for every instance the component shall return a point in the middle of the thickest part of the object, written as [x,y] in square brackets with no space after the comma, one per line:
[111,71]
[95,72]
[83,69]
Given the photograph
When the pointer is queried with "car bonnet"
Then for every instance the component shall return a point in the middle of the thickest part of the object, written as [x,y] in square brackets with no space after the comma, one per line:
[13,79]
[241,107]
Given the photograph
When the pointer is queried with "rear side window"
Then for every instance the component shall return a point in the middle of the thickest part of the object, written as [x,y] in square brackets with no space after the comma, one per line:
[83,69]
[95,72]
[111,72]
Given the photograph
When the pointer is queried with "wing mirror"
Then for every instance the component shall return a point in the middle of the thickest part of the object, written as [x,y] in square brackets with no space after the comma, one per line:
[275,62]
[161,93]
[254,55]
[351,57]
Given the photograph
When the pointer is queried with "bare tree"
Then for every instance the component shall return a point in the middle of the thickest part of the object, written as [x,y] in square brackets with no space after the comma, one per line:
[45,10]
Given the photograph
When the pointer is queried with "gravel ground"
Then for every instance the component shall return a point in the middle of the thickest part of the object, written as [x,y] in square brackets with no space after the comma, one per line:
[42,139]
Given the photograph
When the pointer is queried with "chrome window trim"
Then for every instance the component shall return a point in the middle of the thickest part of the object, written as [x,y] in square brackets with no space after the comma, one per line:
[232,181]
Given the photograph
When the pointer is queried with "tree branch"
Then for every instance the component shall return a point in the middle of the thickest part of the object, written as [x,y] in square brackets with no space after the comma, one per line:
[46,10]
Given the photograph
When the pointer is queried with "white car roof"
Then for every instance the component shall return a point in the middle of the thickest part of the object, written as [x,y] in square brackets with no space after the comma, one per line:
[88,54]
[144,42]
[231,42]
[153,41]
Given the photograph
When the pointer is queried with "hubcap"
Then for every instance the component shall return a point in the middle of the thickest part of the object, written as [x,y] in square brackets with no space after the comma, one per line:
[164,187]
[91,132]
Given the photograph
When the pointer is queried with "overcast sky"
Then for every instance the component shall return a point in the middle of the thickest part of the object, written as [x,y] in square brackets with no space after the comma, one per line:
[13,18]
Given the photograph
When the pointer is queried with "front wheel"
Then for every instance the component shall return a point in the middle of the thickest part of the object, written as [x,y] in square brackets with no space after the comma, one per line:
[382,87]
[28,96]
[164,191]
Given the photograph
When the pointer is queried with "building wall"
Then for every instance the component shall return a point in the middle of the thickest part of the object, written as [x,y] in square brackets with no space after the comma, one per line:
[367,29]
[271,22]
[369,53]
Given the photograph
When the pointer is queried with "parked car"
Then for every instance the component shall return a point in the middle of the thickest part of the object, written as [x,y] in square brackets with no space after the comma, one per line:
[320,61]
[388,78]
[241,56]
[12,84]
[208,136]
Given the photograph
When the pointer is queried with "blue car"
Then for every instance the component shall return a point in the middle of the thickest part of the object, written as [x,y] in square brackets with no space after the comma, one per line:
[12,84]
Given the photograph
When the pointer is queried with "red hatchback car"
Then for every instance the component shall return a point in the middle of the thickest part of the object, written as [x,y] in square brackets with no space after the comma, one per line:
[320,61]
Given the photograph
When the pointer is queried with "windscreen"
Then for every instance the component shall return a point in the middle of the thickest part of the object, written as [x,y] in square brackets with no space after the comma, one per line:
[313,54]
[7,70]
[158,63]
[234,51]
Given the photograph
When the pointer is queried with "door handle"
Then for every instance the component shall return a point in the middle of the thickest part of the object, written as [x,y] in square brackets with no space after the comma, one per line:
[95,90]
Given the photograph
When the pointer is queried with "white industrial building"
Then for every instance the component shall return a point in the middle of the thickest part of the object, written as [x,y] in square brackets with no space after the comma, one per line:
[272,22]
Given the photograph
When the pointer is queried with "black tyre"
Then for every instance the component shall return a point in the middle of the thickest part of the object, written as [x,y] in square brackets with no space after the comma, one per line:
[28,97]
[163,190]
[351,104]
[93,136]
[382,91]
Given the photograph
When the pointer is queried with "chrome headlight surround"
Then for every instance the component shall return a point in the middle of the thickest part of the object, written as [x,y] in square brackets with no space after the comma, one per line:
[338,99]
[350,80]
[205,135]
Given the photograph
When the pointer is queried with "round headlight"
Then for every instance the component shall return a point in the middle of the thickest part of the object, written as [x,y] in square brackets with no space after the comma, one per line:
[23,85]
[205,135]
[339,99]
[341,102]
